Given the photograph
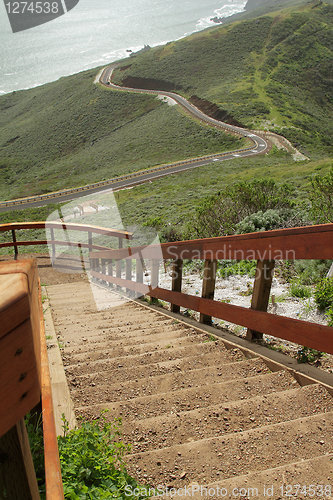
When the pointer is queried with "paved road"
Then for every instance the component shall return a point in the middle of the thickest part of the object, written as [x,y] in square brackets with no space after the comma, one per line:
[258,141]
[259,146]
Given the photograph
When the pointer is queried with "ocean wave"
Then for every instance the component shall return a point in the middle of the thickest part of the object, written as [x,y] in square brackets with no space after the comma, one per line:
[226,10]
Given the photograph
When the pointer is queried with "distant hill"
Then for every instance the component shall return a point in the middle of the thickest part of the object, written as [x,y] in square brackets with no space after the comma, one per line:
[268,72]
[273,72]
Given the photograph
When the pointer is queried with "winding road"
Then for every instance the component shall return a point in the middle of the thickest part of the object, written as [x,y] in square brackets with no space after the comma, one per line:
[259,146]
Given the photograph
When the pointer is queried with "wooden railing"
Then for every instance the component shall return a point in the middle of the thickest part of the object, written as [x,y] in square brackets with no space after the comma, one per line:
[24,385]
[66,226]
[311,242]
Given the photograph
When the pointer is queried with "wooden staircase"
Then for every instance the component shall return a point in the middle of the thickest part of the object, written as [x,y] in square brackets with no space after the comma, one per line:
[198,413]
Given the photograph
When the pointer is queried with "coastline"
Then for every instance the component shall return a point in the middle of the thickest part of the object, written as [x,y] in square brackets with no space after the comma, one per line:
[21,70]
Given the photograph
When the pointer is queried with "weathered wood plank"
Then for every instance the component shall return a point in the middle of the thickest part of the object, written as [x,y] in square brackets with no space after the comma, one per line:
[19,377]
[66,226]
[261,291]
[53,479]
[55,242]
[311,242]
[155,268]
[14,301]
[312,335]
[17,474]
[208,287]
[177,276]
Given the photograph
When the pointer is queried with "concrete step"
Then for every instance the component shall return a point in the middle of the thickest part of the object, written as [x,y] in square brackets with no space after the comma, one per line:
[227,418]
[189,399]
[288,481]
[150,357]
[76,333]
[161,384]
[120,373]
[237,454]
[116,352]
[109,342]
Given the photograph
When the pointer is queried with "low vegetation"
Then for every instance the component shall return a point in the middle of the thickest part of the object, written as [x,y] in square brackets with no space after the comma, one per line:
[91,458]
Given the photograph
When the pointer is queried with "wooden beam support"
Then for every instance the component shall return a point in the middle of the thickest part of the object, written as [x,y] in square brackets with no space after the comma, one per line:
[110,270]
[139,275]
[90,248]
[208,286]
[312,335]
[103,267]
[129,274]
[155,268]
[261,291]
[118,264]
[15,246]
[17,473]
[177,276]
[53,254]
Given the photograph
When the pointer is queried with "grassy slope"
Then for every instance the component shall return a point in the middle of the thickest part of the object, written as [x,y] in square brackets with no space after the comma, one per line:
[174,198]
[72,132]
[271,72]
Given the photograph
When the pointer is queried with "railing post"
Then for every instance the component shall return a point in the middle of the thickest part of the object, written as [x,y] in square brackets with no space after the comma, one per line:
[208,286]
[139,274]
[155,267]
[95,267]
[128,273]
[110,270]
[90,248]
[261,290]
[177,276]
[52,246]
[103,269]
[118,264]
[15,246]
[17,473]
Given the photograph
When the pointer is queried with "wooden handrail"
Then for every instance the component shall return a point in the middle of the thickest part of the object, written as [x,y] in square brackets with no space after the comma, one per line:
[67,226]
[310,242]
[53,480]
[15,244]
[25,384]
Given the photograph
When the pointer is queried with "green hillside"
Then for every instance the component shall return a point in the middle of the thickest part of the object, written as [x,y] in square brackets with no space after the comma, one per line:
[273,72]
[73,132]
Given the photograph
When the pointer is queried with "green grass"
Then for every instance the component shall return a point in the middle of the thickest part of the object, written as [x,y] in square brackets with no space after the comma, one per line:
[256,70]
[172,200]
[73,132]
[272,72]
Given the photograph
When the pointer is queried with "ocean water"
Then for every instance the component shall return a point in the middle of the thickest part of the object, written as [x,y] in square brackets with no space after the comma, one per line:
[97,32]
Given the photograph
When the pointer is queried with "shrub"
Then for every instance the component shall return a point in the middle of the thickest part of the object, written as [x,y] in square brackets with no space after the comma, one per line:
[260,221]
[311,271]
[91,461]
[262,202]
[307,355]
[324,294]
[321,197]
[329,315]
[299,290]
